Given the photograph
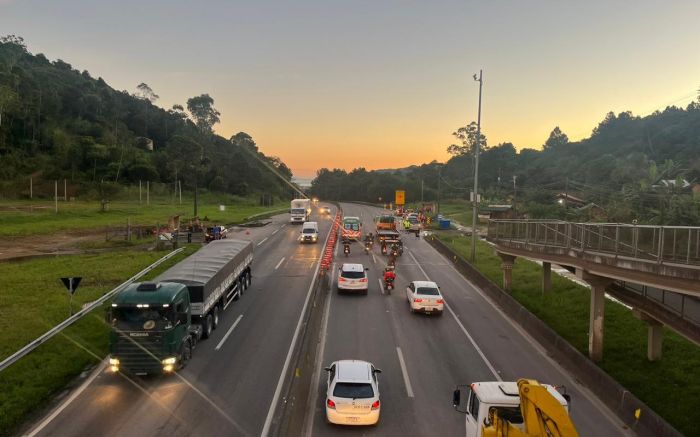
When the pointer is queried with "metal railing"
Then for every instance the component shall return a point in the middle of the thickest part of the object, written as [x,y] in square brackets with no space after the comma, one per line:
[661,244]
[7,362]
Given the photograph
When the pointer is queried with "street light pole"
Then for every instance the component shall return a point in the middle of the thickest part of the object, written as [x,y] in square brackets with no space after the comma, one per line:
[475,205]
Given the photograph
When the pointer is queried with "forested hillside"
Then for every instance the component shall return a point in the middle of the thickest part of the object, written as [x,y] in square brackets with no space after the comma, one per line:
[58,122]
[634,168]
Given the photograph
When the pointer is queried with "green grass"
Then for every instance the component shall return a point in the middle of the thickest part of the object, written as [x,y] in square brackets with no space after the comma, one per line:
[669,386]
[33,300]
[79,215]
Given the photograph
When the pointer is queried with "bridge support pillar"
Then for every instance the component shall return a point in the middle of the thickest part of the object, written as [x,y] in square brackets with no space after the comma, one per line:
[655,335]
[546,277]
[597,315]
[507,267]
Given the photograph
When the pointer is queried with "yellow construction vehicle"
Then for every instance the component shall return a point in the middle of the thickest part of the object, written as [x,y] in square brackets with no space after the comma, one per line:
[509,409]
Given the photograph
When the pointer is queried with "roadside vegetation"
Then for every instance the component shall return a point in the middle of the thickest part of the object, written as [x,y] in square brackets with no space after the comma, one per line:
[18,219]
[669,386]
[34,299]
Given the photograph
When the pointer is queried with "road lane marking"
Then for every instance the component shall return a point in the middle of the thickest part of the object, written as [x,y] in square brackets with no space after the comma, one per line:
[68,401]
[309,421]
[381,286]
[230,330]
[276,231]
[279,263]
[409,389]
[464,330]
[374,260]
[288,359]
[263,240]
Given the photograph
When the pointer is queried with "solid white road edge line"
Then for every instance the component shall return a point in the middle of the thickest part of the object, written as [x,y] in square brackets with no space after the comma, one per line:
[409,389]
[288,359]
[279,263]
[230,330]
[263,240]
[464,330]
[68,401]
[309,421]
[585,391]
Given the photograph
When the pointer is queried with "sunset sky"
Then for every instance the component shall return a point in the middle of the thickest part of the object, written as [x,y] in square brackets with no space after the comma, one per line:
[380,83]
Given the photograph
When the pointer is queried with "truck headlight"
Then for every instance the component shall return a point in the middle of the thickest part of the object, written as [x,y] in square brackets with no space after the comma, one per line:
[170,360]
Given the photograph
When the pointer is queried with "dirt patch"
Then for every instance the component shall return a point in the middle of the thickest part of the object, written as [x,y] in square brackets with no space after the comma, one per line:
[59,243]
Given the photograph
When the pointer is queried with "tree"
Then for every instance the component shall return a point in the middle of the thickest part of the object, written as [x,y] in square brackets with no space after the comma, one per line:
[557,138]
[146,93]
[8,99]
[203,112]
[467,137]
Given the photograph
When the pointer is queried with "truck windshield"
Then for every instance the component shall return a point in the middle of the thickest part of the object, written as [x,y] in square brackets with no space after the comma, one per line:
[143,318]
[298,211]
[511,414]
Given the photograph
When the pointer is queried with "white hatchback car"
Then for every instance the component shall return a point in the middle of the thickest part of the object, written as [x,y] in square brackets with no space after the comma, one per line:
[352,393]
[353,277]
[425,296]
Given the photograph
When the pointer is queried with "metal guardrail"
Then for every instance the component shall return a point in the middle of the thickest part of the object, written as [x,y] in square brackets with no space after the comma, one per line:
[661,244]
[7,362]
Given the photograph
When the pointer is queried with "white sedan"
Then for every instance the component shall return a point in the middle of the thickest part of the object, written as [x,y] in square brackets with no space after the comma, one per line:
[425,296]
[353,277]
[352,393]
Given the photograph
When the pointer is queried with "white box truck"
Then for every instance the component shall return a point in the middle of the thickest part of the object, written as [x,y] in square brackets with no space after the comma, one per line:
[299,210]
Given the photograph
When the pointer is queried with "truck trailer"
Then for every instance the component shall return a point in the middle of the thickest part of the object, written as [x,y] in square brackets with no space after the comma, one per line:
[156,325]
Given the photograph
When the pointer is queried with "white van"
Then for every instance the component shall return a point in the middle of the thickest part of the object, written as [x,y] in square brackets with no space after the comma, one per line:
[309,232]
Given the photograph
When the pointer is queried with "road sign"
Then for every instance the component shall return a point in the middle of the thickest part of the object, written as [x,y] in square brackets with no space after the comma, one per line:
[400,197]
[71,283]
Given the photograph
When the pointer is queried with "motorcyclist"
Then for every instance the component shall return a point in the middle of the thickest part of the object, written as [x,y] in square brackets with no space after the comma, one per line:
[346,247]
[394,249]
[392,261]
[389,276]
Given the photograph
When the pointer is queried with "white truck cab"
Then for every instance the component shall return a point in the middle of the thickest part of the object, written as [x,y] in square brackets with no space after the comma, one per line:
[480,397]
[299,210]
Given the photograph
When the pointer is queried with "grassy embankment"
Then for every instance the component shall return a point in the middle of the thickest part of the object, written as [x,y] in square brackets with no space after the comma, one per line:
[669,386]
[33,300]
[81,215]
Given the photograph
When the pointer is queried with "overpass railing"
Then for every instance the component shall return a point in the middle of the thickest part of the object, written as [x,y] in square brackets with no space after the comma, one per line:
[662,244]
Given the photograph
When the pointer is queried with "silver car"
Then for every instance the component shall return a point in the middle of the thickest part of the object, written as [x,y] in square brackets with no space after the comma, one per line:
[353,277]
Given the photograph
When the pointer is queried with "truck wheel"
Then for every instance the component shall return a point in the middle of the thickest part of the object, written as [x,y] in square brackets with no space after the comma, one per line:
[207,328]
[185,353]
[215,320]
[248,279]
[241,287]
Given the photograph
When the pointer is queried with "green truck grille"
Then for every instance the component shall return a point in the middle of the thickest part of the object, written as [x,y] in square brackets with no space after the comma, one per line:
[139,352]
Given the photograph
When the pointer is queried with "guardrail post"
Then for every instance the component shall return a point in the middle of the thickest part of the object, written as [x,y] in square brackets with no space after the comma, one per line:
[661,245]
[617,238]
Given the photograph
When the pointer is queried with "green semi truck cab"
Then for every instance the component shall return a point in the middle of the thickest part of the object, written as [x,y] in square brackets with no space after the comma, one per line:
[152,330]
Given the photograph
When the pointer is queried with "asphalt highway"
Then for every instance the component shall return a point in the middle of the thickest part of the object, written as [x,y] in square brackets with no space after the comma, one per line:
[471,341]
[231,387]
[223,391]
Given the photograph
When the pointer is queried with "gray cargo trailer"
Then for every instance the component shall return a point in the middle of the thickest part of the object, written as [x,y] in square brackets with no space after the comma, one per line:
[214,275]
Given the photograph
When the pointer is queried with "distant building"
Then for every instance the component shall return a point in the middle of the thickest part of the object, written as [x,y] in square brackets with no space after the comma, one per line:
[569,200]
[497,212]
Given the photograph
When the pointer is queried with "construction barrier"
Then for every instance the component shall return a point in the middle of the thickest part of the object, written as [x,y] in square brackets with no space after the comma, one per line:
[327,259]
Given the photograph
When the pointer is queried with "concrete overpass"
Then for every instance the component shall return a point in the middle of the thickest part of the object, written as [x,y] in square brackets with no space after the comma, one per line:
[653,269]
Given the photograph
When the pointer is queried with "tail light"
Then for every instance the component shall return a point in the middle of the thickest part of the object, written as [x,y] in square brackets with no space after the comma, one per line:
[417,300]
[341,279]
[441,301]
[330,404]
[375,405]
[363,280]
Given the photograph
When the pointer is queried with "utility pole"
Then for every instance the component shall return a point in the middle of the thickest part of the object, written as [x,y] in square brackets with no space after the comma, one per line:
[475,206]
[515,211]
[439,188]
[421,190]
[566,198]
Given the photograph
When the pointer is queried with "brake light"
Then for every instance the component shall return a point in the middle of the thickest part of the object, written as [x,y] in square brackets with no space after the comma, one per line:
[375,405]
[417,300]
[330,404]
[341,279]
[363,280]
[441,301]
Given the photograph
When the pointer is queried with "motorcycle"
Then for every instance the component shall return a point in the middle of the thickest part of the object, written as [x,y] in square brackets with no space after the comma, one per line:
[389,284]
[346,249]
[368,246]
[384,249]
